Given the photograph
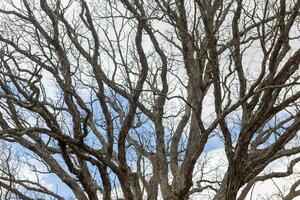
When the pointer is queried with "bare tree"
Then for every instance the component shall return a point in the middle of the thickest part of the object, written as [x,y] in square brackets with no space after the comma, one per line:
[14,183]
[120,98]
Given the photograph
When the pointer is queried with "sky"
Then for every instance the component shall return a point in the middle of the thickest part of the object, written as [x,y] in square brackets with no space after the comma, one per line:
[213,150]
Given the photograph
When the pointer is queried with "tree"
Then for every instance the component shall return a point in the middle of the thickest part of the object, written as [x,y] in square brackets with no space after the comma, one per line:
[124,96]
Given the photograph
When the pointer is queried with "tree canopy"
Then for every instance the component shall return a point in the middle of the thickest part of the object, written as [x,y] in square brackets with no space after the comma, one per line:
[124,98]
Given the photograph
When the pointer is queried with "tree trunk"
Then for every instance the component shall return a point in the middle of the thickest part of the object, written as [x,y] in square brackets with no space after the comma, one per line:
[229,188]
